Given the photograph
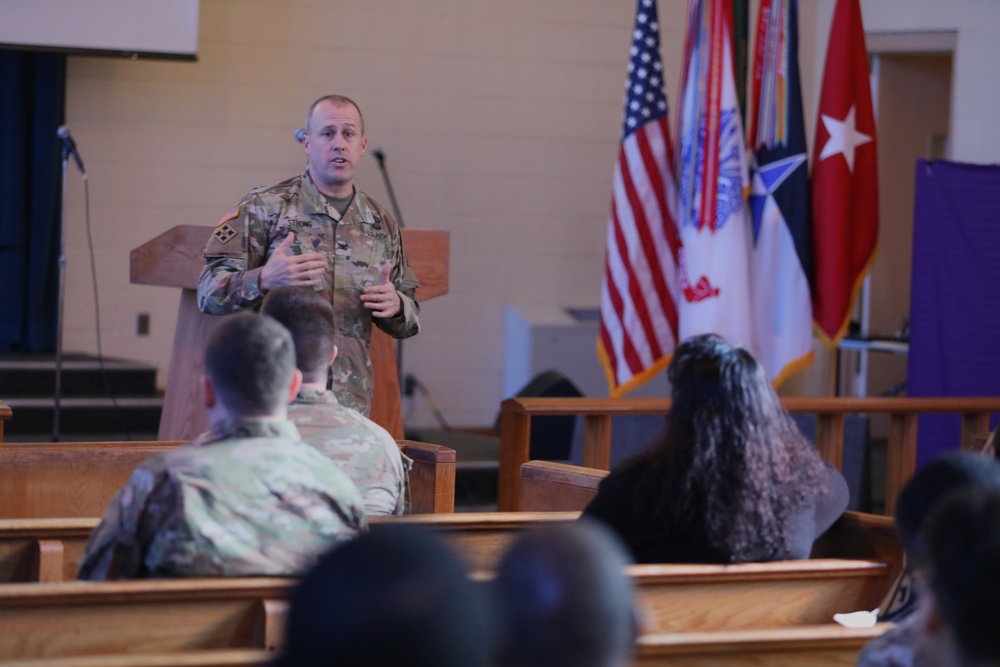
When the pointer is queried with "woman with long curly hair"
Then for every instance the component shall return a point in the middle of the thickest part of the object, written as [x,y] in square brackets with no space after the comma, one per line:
[731,479]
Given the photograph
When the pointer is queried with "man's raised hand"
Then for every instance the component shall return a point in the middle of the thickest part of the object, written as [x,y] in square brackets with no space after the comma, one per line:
[382,298]
[285,268]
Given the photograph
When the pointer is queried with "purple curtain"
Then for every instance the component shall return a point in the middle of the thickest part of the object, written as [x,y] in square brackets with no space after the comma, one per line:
[955,293]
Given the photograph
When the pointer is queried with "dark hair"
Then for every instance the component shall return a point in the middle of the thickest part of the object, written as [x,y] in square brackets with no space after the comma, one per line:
[338,101]
[933,482]
[732,468]
[563,597]
[250,360]
[393,596]
[963,538]
[308,316]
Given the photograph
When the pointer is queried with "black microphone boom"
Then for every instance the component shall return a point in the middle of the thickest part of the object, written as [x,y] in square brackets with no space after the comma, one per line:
[380,156]
[69,147]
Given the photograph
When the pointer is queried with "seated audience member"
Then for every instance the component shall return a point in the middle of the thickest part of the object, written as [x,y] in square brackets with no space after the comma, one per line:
[395,596]
[731,480]
[362,448]
[563,598]
[944,475]
[960,607]
[248,497]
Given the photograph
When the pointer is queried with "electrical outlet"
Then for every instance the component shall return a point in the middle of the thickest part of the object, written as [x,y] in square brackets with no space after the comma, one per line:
[142,324]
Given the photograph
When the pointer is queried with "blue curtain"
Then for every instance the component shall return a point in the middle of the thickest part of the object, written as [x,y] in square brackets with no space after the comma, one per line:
[32,99]
[955,293]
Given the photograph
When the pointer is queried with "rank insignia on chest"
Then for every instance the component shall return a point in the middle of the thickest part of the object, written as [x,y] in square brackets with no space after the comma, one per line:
[224,232]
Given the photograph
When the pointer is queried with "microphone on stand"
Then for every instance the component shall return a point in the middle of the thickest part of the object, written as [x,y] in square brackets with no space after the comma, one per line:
[69,147]
[300,134]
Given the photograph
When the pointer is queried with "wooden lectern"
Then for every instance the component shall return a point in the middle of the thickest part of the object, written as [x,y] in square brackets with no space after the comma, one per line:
[174,259]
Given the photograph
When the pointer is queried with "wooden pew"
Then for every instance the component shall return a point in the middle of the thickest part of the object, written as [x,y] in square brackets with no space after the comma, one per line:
[810,646]
[155,616]
[85,618]
[210,658]
[516,414]
[5,414]
[70,480]
[547,486]
[50,550]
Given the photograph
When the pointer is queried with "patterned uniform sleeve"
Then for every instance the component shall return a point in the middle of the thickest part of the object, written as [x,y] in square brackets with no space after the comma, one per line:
[406,322]
[234,257]
[115,549]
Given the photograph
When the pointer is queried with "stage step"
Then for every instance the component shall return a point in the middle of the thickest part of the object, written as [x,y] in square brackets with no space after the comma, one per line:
[115,403]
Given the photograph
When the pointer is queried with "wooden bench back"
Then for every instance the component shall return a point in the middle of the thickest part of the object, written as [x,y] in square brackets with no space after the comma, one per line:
[557,487]
[809,646]
[70,480]
[93,618]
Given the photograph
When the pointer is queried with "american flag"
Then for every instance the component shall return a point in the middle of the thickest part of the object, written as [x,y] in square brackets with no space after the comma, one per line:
[638,309]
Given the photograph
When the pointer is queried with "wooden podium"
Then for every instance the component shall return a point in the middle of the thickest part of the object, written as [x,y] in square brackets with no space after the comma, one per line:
[174,259]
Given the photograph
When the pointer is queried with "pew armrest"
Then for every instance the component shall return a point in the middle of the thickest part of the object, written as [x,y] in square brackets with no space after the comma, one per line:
[432,479]
[556,487]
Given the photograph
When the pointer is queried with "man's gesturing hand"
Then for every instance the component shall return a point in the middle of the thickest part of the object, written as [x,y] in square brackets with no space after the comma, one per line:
[382,299]
[284,268]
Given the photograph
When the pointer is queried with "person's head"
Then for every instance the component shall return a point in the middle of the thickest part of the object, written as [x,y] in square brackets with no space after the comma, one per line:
[249,368]
[732,467]
[563,598]
[395,596]
[308,316]
[942,476]
[334,141]
[960,610]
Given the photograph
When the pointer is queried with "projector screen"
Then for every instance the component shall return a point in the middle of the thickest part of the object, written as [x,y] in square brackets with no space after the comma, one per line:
[128,28]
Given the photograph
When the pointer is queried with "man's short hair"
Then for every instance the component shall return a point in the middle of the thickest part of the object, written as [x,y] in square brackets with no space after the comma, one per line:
[564,598]
[308,316]
[339,101]
[394,596]
[250,360]
[963,537]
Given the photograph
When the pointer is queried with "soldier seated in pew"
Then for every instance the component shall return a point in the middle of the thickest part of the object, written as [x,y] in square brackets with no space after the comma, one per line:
[395,596]
[945,475]
[731,480]
[959,610]
[248,497]
[563,598]
[363,449]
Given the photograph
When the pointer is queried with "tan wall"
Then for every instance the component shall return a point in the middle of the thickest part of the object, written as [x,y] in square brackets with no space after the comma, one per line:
[500,121]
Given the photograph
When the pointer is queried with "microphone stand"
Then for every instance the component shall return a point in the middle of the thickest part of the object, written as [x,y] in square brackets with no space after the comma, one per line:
[61,300]
[380,158]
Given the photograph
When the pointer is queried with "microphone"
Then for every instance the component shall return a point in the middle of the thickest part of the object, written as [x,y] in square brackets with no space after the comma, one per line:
[380,156]
[69,147]
[300,134]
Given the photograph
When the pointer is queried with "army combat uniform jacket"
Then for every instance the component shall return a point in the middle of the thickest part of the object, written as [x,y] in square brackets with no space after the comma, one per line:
[247,498]
[355,245]
[360,447]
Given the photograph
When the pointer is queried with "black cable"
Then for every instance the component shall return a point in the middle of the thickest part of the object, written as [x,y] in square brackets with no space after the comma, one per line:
[122,422]
[442,422]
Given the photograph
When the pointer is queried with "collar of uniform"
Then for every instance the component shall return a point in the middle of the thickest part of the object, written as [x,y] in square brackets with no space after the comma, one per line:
[316,396]
[250,428]
[314,202]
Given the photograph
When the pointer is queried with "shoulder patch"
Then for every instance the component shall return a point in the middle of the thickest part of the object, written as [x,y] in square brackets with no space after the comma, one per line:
[224,232]
[229,216]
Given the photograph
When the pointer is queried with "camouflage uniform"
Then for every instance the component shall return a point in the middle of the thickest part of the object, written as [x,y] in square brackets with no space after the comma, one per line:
[360,447]
[355,245]
[247,498]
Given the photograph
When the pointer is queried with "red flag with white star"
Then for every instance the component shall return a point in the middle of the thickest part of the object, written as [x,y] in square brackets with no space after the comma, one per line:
[845,176]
